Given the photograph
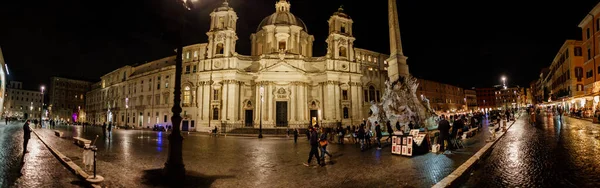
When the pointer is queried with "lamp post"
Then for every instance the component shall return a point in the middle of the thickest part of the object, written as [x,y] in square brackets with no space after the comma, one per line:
[126,113]
[174,167]
[262,90]
[41,114]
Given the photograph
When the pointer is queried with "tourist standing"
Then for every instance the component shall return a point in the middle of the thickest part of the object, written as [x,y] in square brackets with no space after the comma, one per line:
[295,135]
[110,129]
[104,129]
[340,131]
[390,131]
[444,127]
[361,136]
[378,135]
[26,136]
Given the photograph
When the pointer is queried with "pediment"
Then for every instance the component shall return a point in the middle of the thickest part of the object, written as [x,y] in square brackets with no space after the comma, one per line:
[282,67]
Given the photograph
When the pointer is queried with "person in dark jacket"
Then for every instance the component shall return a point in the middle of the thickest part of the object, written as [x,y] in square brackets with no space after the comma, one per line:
[390,131]
[104,129]
[457,125]
[295,135]
[398,126]
[378,134]
[340,132]
[361,136]
[110,125]
[308,133]
[444,127]
[26,136]
[314,145]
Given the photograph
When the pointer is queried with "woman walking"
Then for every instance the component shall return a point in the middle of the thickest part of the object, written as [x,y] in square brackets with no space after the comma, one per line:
[323,143]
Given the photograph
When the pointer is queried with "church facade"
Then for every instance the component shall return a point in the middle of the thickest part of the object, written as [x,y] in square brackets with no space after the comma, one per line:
[280,84]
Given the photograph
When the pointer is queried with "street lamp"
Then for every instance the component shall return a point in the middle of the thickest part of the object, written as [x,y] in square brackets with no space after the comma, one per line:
[41,114]
[262,90]
[126,113]
[174,167]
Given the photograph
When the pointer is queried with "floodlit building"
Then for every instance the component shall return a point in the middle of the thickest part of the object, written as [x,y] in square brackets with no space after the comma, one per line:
[444,98]
[471,99]
[21,103]
[280,82]
[3,74]
[67,99]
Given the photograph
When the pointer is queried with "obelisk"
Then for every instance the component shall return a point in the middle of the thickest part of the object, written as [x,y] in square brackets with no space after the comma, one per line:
[397,61]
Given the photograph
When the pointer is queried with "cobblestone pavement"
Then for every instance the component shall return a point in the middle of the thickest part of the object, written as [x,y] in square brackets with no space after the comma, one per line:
[557,153]
[40,167]
[128,157]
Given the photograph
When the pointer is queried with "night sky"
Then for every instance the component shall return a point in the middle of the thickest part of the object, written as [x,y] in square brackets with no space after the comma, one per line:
[469,44]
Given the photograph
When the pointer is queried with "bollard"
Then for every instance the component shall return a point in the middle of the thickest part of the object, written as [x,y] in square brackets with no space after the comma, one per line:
[94,149]
[96,178]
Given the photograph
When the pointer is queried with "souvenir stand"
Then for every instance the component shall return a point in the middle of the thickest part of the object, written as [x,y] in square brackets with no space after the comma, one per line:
[414,143]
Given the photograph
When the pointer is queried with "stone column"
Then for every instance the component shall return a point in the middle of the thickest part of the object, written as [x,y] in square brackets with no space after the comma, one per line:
[293,101]
[232,103]
[268,101]
[337,96]
[224,100]
[361,100]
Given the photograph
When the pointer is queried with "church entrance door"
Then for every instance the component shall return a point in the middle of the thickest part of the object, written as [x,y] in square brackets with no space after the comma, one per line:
[314,117]
[249,118]
[281,114]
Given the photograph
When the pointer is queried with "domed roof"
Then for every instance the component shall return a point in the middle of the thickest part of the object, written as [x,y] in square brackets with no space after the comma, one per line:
[282,18]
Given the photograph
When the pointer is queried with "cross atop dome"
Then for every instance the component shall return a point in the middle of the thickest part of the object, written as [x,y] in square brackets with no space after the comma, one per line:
[282,6]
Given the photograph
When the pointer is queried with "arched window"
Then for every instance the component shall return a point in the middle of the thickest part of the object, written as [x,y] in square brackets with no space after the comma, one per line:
[186,95]
[346,114]
[343,29]
[219,49]
[215,114]
[342,51]
[371,93]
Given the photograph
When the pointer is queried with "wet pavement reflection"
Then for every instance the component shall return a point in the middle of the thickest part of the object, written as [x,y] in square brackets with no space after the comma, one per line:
[561,152]
[228,161]
[38,168]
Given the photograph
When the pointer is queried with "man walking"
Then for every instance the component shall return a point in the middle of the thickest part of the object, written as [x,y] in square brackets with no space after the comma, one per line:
[26,136]
[314,147]
[444,127]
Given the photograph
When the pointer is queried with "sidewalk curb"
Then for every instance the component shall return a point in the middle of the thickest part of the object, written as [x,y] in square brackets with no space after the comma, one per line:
[67,162]
[452,179]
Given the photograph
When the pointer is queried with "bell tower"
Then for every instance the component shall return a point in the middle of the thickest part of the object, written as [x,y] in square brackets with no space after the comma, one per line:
[340,42]
[222,36]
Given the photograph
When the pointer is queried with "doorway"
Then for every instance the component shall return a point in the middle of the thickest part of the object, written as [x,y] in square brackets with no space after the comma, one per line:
[249,118]
[314,117]
[185,125]
[281,114]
